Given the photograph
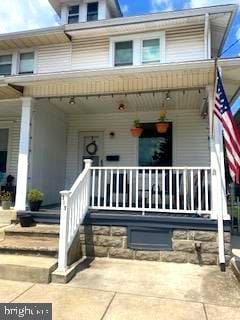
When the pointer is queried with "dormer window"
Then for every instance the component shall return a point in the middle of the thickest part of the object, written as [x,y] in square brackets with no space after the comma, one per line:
[92,11]
[73,14]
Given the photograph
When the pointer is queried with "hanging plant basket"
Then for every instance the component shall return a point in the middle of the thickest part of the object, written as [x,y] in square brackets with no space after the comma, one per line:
[137,132]
[162,127]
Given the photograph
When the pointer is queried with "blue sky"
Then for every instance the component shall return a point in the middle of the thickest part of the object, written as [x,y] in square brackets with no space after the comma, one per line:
[17,15]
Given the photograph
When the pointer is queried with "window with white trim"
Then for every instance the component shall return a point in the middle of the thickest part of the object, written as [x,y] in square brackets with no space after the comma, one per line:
[4,136]
[123,53]
[73,14]
[92,11]
[26,62]
[6,65]
[137,49]
[151,51]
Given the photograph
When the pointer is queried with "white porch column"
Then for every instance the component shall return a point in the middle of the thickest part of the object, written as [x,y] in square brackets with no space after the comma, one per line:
[22,175]
[219,202]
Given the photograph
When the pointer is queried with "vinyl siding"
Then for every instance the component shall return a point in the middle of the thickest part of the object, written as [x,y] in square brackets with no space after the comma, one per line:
[55,58]
[185,44]
[90,53]
[190,139]
[182,44]
[14,148]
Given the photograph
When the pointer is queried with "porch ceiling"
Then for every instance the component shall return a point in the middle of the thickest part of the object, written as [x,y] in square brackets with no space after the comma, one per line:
[182,99]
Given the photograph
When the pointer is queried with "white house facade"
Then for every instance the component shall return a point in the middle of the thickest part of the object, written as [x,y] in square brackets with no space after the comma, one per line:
[69,99]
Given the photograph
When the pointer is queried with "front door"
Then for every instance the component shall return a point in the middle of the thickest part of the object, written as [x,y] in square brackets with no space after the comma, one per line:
[90,147]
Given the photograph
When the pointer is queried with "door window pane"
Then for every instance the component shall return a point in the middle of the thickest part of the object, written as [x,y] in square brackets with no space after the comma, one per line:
[123,53]
[151,51]
[92,11]
[73,14]
[26,62]
[6,65]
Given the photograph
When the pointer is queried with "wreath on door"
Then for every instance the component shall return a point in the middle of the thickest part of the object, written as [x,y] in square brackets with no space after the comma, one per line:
[92,148]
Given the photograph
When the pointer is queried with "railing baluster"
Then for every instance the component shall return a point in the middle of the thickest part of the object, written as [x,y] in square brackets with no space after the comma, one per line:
[185,189]
[143,190]
[206,190]
[150,188]
[111,189]
[177,188]
[192,191]
[137,187]
[93,187]
[124,188]
[163,190]
[99,186]
[117,189]
[105,188]
[156,188]
[199,190]
[130,189]
[170,189]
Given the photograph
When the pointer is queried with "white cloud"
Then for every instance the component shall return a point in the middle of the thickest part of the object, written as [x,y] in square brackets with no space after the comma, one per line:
[205,3]
[125,9]
[18,15]
[162,5]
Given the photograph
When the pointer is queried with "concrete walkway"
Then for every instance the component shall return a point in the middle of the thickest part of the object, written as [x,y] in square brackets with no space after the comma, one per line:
[130,290]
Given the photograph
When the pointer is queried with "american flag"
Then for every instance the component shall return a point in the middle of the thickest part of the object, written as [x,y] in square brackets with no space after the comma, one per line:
[230,130]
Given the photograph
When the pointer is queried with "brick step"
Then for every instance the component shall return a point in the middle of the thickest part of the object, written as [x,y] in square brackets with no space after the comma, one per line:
[27,268]
[38,231]
[29,246]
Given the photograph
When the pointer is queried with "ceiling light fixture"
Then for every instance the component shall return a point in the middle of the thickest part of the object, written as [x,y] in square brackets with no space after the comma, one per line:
[168,98]
[72,100]
[121,107]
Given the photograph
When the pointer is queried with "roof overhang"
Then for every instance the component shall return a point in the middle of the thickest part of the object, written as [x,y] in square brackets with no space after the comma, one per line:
[221,18]
[8,91]
[32,38]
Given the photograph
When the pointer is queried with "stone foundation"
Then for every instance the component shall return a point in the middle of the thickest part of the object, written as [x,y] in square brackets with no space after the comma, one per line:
[112,242]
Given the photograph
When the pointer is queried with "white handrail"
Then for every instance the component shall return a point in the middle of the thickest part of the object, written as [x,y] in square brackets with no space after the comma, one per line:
[74,206]
[152,189]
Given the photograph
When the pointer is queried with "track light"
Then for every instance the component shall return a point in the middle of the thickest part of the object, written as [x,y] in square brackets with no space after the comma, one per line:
[72,100]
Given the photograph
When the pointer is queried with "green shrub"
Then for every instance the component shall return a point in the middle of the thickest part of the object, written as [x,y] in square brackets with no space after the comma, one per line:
[35,195]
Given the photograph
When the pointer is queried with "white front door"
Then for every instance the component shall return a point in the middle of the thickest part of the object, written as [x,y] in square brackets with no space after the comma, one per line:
[91,147]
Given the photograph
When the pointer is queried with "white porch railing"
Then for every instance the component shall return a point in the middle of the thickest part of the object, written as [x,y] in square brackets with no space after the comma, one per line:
[169,189]
[74,206]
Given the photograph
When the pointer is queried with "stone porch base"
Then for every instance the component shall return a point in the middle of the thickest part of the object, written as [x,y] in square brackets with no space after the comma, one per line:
[112,241]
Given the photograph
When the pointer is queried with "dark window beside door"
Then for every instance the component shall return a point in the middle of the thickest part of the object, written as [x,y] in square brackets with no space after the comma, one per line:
[92,11]
[73,14]
[155,149]
[3,150]
[123,53]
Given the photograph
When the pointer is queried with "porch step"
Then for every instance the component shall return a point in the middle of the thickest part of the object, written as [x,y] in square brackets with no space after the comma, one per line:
[43,217]
[38,231]
[38,240]
[27,268]
[41,246]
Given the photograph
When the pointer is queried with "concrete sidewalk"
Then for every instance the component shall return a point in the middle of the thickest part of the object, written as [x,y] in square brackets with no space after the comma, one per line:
[132,290]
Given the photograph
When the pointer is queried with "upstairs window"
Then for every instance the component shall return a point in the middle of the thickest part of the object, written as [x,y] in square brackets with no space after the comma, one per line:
[124,53]
[151,51]
[92,11]
[73,14]
[6,65]
[26,62]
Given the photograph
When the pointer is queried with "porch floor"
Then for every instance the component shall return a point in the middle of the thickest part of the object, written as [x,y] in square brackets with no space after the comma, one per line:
[130,290]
